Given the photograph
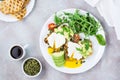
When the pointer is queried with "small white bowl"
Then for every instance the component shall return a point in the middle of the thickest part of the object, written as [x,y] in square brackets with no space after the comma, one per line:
[39,70]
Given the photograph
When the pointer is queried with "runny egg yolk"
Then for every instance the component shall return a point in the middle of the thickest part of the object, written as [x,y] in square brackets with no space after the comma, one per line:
[72,63]
[51,50]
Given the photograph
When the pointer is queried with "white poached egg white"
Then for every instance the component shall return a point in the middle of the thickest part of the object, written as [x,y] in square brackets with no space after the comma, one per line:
[72,50]
[56,39]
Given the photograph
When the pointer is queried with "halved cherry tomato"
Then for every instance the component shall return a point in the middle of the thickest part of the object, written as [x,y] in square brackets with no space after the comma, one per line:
[51,26]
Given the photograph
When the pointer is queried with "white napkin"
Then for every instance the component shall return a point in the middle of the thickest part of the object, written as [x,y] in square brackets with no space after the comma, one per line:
[92,2]
[110,10]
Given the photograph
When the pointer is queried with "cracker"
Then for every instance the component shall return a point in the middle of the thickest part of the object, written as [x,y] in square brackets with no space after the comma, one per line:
[16,8]
[26,2]
[11,6]
[20,15]
[3,7]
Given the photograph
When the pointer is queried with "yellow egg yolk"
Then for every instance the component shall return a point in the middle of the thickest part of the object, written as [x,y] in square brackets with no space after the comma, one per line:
[54,49]
[50,50]
[72,63]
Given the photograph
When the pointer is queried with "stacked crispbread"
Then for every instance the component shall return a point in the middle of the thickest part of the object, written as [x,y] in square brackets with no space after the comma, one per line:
[16,8]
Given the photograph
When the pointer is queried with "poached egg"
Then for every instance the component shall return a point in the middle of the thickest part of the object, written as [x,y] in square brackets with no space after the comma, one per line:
[72,50]
[56,39]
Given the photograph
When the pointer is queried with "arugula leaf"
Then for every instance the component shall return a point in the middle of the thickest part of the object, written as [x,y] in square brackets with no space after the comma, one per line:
[87,45]
[86,42]
[78,49]
[65,28]
[57,20]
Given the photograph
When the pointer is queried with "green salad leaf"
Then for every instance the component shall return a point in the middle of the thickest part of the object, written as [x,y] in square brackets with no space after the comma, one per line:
[80,23]
[101,39]
[87,44]
[57,20]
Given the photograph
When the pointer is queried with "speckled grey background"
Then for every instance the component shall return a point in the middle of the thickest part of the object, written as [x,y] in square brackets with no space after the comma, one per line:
[27,32]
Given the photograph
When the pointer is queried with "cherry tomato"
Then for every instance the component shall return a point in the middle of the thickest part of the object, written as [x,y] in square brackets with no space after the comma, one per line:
[51,26]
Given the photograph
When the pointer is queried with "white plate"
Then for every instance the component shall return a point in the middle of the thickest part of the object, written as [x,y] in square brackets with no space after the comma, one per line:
[90,61]
[9,18]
